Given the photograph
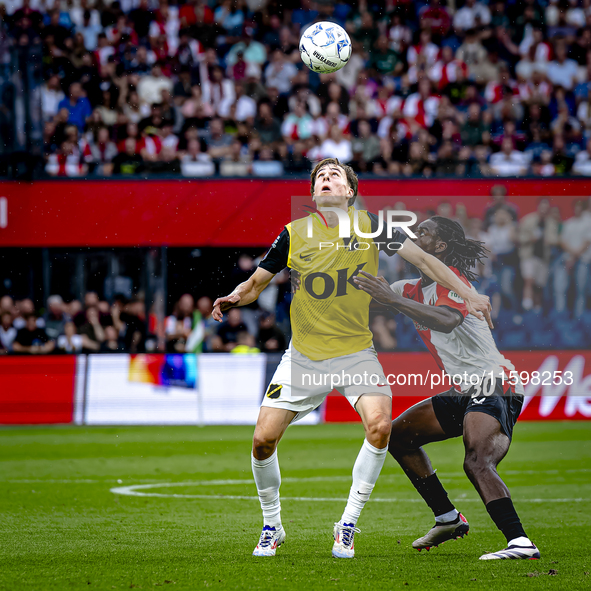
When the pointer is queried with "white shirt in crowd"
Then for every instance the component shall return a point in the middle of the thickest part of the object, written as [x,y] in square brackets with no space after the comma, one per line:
[220,96]
[201,165]
[280,77]
[331,149]
[576,232]
[414,107]
[501,238]
[245,107]
[7,336]
[565,74]
[171,29]
[13,5]
[70,346]
[465,18]
[582,163]
[514,164]
[50,99]
[150,88]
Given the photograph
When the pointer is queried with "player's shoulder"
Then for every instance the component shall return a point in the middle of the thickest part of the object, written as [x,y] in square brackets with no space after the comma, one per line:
[403,286]
[460,276]
[297,226]
[452,295]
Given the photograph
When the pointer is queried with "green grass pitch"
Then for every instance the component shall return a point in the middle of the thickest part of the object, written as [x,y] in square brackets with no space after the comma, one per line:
[62,528]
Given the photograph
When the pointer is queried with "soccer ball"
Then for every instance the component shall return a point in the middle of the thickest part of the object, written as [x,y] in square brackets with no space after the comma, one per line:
[325,47]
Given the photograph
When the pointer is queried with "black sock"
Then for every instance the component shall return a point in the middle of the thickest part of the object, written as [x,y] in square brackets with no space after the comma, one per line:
[434,494]
[505,517]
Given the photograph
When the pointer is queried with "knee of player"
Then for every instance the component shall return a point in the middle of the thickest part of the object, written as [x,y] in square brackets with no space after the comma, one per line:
[263,443]
[379,430]
[476,463]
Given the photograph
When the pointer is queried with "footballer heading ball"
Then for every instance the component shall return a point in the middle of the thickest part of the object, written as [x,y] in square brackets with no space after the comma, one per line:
[325,47]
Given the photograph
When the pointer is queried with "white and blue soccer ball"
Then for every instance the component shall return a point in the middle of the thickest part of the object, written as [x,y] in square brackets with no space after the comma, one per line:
[325,47]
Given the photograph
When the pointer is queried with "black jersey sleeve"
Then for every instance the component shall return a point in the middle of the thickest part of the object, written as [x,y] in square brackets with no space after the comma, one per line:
[276,259]
[398,237]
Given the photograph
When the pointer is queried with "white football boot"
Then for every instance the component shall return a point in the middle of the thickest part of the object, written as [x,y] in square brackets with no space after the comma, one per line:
[344,535]
[271,539]
[441,532]
[514,551]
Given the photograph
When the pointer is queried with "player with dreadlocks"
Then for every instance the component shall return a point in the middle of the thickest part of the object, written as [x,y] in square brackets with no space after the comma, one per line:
[482,405]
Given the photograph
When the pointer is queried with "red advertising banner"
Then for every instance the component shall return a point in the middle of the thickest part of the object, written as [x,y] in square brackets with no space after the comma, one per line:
[557,384]
[37,390]
[42,389]
[249,212]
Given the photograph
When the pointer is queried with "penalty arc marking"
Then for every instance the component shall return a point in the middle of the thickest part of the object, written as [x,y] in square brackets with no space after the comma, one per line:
[147,490]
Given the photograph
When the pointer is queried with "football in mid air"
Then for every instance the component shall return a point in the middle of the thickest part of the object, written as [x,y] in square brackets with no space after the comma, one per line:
[325,47]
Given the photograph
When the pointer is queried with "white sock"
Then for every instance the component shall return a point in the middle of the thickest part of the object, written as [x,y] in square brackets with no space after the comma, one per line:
[268,480]
[521,541]
[449,516]
[366,470]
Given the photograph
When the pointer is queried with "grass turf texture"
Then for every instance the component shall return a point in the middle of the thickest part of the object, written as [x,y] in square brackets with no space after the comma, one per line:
[61,527]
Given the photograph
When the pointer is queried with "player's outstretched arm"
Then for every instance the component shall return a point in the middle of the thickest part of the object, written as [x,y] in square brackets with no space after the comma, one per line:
[244,294]
[438,318]
[478,305]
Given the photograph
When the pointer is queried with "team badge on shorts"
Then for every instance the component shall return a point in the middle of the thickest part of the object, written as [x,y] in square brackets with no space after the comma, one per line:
[274,391]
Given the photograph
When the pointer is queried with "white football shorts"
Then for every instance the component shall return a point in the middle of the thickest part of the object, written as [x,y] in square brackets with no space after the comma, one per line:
[301,385]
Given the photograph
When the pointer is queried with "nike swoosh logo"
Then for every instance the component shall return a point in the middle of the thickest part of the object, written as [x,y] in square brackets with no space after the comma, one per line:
[307,256]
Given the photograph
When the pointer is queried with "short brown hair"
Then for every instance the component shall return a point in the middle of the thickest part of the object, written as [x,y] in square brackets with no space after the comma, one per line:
[349,172]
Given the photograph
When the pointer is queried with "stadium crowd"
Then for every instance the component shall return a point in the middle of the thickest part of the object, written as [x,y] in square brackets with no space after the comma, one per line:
[205,87]
[537,274]
[96,326]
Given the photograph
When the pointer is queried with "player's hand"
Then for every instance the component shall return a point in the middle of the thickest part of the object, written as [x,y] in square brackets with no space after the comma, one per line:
[479,305]
[377,287]
[223,304]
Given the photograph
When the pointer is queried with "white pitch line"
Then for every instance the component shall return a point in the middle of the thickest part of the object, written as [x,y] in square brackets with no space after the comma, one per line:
[136,491]
[71,481]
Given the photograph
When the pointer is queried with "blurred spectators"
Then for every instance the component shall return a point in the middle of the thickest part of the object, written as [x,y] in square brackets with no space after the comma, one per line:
[437,88]
[245,344]
[23,309]
[71,342]
[7,332]
[470,72]
[129,320]
[231,327]
[196,162]
[575,263]
[31,339]
[93,330]
[112,344]
[180,324]
[538,234]
[270,337]
[508,162]
[77,105]
[503,241]
[537,274]
[55,318]
[499,201]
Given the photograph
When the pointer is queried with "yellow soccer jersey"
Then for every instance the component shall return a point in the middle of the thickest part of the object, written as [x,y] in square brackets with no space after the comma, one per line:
[329,314]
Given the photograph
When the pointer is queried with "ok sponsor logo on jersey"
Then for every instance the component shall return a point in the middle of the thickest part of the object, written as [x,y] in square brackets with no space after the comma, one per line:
[321,285]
